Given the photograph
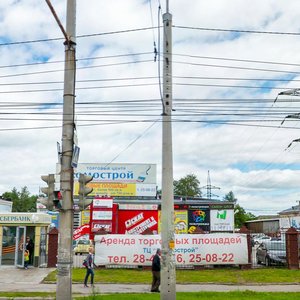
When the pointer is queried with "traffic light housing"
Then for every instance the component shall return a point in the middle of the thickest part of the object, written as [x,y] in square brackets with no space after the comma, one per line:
[57,199]
[84,190]
[49,191]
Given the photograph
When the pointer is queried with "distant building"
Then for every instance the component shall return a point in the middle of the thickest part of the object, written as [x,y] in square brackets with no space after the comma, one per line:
[5,205]
[264,224]
[290,218]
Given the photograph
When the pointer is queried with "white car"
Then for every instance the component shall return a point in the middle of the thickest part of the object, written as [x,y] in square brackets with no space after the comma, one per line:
[261,239]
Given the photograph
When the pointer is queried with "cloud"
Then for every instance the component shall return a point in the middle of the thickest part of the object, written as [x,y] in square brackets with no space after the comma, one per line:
[224,118]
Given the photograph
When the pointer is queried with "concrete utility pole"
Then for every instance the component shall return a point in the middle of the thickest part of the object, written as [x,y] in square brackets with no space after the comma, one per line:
[168,274]
[65,256]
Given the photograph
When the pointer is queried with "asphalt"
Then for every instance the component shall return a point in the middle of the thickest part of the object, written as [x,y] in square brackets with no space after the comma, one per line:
[19,280]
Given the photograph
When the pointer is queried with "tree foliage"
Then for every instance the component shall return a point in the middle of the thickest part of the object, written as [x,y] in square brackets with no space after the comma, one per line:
[187,186]
[22,201]
[240,215]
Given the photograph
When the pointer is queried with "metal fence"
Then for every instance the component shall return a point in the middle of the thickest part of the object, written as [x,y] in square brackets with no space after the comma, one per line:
[268,251]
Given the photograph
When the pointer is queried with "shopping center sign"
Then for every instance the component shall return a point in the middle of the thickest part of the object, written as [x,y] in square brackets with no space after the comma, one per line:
[119,179]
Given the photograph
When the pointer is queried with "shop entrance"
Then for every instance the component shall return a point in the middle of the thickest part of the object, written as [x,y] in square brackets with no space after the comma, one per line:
[20,246]
[9,245]
[14,241]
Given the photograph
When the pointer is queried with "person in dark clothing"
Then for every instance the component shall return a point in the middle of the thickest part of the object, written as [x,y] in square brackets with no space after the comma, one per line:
[29,246]
[156,272]
[89,267]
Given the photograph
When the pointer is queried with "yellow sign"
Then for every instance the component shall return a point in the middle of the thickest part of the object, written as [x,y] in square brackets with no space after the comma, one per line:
[109,189]
[172,245]
[180,221]
[85,217]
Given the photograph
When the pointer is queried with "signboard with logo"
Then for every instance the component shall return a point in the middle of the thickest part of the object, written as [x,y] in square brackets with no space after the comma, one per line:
[81,231]
[119,179]
[102,215]
[198,218]
[221,217]
[103,203]
[222,220]
[137,221]
[101,225]
[85,217]
[181,221]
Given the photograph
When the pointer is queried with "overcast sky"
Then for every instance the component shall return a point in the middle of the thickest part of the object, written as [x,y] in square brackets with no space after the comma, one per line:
[231,59]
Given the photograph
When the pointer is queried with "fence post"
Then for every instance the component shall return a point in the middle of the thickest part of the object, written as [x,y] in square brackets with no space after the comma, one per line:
[292,256]
[52,248]
[245,230]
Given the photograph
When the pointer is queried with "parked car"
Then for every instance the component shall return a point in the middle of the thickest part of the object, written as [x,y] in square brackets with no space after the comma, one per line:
[82,247]
[261,239]
[272,252]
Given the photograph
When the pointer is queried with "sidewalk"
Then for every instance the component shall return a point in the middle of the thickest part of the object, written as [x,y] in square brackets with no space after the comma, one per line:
[19,280]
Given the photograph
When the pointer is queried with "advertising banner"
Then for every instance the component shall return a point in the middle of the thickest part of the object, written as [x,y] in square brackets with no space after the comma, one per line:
[80,231]
[54,218]
[222,220]
[181,221]
[127,173]
[85,217]
[119,180]
[103,203]
[136,222]
[102,215]
[288,222]
[196,249]
[198,216]
[101,225]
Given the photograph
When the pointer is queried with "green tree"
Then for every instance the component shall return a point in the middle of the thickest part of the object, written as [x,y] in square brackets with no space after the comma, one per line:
[240,215]
[230,197]
[187,186]
[22,201]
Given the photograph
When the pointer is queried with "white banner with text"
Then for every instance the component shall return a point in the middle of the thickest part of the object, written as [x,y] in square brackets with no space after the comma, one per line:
[190,249]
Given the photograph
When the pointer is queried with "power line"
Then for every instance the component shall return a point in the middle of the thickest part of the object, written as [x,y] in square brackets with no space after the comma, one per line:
[238,60]
[148,28]
[77,37]
[237,30]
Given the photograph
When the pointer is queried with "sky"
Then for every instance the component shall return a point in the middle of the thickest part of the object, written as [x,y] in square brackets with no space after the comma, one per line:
[230,62]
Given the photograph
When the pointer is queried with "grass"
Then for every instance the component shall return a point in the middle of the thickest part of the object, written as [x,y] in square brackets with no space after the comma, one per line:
[217,276]
[221,276]
[246,295]
[30,295]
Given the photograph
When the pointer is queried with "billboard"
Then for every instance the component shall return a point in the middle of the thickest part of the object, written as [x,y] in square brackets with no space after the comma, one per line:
[198,218]
[196,249]
[286,222]
[137,221]
[117,180]
[222,217]
[180,221]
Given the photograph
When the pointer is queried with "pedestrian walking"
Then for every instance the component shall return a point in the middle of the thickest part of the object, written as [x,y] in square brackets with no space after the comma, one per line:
[89,267]
[30,247]
[156,272]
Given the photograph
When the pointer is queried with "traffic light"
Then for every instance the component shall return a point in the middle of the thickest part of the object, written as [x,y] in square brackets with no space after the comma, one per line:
[49,191]
[57,199]
[84,191]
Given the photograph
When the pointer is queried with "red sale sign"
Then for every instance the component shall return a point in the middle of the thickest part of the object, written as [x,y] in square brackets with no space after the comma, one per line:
[80,231]
[136,222]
